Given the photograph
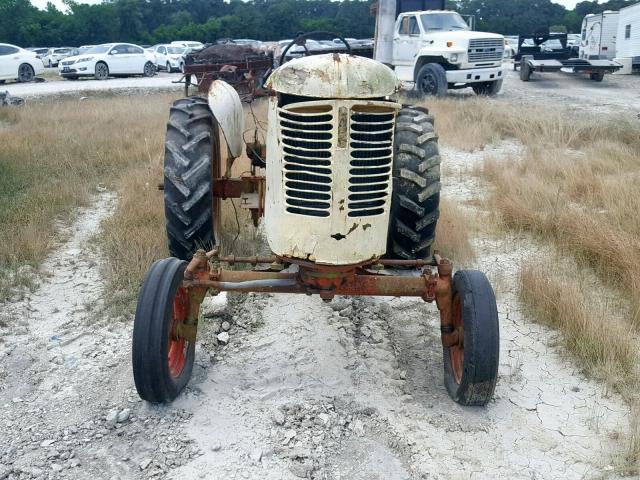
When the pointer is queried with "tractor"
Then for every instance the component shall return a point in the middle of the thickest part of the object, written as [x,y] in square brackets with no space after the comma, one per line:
[348,188]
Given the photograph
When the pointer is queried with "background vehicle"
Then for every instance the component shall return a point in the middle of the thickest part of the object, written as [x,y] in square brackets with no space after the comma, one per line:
[54,55]
[189,44]
[599,36]
[18,64]
[628,38]
[40,52]
[169,57]
[351,191]
[110,59]
[437,50]
[551,53]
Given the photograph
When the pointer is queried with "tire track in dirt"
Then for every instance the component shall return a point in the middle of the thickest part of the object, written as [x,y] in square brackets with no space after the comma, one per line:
[68,408]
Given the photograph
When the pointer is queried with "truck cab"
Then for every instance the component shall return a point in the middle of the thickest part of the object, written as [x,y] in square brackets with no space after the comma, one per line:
[437,50]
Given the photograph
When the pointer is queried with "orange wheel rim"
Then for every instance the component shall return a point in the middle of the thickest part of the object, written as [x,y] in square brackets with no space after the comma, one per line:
[456,352]
[177,354]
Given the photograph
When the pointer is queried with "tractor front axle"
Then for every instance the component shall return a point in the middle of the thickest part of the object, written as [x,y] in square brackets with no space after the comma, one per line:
[203,275]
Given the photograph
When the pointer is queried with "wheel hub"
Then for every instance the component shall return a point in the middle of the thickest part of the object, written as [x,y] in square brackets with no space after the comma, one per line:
[178,345]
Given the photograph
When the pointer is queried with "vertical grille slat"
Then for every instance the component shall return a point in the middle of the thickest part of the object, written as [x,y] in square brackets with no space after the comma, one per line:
[371,156]
[485,50]
[307,139]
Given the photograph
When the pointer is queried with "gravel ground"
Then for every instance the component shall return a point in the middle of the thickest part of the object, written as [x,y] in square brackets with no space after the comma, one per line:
[131,85]
[288,387]
[616,94]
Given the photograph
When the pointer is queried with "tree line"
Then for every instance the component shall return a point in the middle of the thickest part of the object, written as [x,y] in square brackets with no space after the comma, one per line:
[156,21]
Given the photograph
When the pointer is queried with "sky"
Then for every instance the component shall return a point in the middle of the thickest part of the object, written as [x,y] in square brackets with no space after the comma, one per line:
[58,3]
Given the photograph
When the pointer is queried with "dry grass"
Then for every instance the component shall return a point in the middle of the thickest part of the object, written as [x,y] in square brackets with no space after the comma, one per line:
[52,158]
[452,233]
[594,334]
[575,185]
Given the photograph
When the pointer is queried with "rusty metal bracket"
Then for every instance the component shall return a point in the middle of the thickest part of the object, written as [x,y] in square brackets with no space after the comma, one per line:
[234,187]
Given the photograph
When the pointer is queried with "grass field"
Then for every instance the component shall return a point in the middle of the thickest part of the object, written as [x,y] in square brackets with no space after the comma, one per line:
[575,187]
[54,156]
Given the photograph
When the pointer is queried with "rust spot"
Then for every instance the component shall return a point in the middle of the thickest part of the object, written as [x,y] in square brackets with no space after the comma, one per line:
[336,57]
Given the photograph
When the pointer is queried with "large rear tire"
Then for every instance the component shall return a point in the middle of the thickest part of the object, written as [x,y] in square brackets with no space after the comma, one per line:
[471,367]
[416,186]
[162,362]
[188,206]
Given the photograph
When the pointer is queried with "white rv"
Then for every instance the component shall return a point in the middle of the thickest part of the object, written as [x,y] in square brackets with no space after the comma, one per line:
[598,38]
[628,41]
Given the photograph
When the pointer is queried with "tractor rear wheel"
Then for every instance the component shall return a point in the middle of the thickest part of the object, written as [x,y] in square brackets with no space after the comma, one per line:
[416,186]
[188,204]
[162,362]
[471,366]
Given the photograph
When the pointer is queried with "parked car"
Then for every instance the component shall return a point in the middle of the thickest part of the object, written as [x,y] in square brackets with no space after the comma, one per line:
[110,59]
[54,55]
[169,57]
[190,44]
[18,64]
[40,52]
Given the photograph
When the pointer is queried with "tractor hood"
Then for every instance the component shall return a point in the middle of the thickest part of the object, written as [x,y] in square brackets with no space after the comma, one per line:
[334,75]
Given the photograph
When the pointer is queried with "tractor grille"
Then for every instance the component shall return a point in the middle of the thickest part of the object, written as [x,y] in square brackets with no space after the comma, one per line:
[371,155]
[307,138]
[322,143]
[486,50]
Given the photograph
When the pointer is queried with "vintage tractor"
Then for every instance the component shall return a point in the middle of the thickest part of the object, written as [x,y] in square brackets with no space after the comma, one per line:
[350,202]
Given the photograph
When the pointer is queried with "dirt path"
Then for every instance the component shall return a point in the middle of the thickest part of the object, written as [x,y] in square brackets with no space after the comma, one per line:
[67,403]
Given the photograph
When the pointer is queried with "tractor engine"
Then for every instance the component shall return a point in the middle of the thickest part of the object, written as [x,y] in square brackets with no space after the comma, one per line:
[329,159]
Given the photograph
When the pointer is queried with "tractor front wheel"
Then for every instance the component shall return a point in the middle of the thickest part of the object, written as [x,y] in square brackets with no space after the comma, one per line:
[162,360]
[471,365]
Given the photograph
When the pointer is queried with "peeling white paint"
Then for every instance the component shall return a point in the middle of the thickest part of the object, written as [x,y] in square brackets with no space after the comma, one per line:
[334,75]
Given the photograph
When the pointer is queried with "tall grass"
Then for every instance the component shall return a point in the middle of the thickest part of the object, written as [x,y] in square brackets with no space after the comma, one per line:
[53,156]
[575,185]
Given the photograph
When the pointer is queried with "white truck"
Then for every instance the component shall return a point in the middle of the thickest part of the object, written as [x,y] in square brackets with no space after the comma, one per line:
[437,51]
[628,38]
[599,32]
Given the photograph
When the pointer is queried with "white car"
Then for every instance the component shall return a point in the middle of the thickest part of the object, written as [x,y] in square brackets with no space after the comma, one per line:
[18,64]
[189,44]
[54,55]
[169,57]
[110,59]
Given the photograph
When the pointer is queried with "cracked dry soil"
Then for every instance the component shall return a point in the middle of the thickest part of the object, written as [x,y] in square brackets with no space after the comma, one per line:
[347,390]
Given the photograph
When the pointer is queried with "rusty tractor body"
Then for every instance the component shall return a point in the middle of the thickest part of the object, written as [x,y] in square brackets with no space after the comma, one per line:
[347,184]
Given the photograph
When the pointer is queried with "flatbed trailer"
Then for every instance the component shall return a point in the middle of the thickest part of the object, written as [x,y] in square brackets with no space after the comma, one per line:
[596,69]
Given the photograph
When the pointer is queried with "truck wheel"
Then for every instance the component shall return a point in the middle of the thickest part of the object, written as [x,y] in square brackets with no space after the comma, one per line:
[597,76]
[188,202]
[471,367]
[432,80]
[525,70]
[487,88]
[162,362]
[416,186]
